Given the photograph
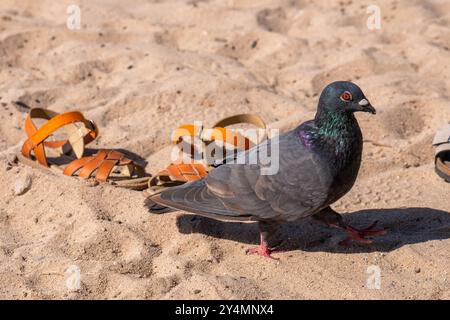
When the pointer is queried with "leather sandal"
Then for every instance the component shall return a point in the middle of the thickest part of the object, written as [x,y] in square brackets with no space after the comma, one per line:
[441,143]
[177,174]
[196,150]
[69,157]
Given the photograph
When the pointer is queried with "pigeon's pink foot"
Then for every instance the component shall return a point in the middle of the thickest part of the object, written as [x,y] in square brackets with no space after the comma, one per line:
[360,235]
[262,250]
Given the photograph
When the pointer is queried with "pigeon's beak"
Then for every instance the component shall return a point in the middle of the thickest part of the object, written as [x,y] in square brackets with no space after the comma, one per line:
[366,106]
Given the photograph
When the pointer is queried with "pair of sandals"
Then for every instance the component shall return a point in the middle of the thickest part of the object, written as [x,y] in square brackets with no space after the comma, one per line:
[69,156]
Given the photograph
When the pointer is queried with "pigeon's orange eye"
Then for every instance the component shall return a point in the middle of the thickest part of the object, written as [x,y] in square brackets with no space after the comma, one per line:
[346,96]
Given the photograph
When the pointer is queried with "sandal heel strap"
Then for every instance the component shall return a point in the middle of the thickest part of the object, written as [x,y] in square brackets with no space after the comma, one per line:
[36,137]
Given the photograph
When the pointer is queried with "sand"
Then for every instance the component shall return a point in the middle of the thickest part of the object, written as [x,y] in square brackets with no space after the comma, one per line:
[140,68]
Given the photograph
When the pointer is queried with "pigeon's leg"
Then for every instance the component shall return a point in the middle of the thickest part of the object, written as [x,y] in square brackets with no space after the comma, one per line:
[334,219]
[266,230]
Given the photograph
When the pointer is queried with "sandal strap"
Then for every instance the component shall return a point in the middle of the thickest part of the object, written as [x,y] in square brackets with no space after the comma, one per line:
[441,143]
[178,174]
[103,162]
[242,118]
[36,137]
[185,171]
[442,167]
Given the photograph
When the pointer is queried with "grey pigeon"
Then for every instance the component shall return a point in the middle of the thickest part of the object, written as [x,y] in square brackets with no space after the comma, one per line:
[318,164]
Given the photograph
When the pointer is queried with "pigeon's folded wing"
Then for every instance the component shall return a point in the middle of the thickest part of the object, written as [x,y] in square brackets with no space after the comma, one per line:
[296,188]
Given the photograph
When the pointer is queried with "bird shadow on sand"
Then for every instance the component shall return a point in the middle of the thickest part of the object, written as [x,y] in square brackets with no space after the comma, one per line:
[404,226]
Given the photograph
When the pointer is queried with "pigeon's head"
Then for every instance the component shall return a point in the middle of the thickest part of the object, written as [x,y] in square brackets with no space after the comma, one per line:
[344,96]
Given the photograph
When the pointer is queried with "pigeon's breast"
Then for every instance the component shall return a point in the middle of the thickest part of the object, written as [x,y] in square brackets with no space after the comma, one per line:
[345,169]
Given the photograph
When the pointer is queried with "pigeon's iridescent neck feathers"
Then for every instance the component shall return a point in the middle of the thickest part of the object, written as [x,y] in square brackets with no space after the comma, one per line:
[332,134]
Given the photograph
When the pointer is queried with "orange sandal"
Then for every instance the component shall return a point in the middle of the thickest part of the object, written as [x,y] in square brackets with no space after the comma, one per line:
[195,145]
[177,174]
[68,156]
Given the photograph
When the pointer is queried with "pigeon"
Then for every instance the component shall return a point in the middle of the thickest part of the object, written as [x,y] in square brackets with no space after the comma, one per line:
[318,163]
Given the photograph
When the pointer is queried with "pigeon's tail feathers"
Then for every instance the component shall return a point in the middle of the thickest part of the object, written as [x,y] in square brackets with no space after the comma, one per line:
[195,197]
